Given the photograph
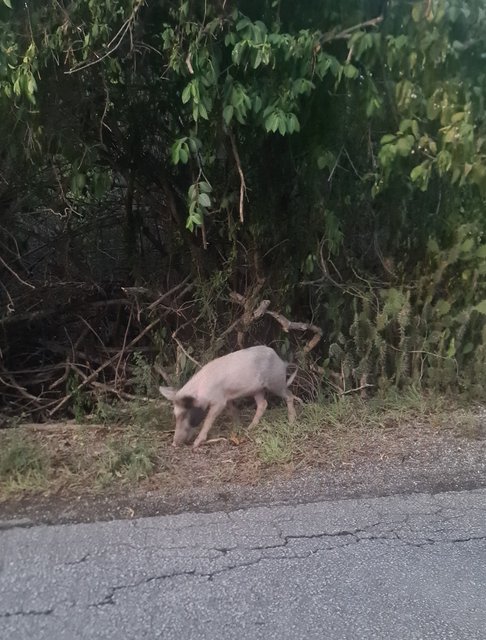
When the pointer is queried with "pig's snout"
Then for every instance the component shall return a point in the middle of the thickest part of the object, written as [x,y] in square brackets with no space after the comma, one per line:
[180,435]
[177,441]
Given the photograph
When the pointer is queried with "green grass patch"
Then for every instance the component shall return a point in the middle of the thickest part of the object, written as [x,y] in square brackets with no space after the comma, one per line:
[344,426]
[24,465]
[127,459]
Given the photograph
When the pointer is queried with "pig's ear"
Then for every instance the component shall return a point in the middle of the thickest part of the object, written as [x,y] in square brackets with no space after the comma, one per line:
[168,392]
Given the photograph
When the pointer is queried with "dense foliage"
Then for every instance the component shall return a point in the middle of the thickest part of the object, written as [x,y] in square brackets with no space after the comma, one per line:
[329,156]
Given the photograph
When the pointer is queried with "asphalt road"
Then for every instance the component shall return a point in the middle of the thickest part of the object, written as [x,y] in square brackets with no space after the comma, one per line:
[390,568]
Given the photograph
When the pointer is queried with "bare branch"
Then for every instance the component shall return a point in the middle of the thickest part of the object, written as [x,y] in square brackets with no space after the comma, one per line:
[346,33]
[16,275]
[114,43]
[236,156]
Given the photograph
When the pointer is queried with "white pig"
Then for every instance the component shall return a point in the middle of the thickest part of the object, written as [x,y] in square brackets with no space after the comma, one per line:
[249,372]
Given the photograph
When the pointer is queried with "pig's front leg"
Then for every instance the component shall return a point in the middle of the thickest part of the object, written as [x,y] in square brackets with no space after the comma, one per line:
[213,413]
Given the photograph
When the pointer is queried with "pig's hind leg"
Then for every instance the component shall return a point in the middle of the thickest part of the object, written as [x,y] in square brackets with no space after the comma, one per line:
[232,409]
[262,405]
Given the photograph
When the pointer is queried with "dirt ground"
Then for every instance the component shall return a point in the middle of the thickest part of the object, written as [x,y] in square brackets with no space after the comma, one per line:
[93,472]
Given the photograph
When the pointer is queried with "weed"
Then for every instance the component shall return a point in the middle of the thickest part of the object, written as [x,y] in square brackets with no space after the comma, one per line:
[275,440]
[143,380]
[334,431]
[110,413]
[143,414]
[126,460]
[81,403]
[23,464]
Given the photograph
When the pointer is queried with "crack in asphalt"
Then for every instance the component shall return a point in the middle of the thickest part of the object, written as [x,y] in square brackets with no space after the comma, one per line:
[109,599]
[427,542]
[402,531]
[72,563]
[353,536]
[10,614]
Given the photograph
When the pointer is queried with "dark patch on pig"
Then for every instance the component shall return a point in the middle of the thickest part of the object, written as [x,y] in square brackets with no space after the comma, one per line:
[196,415]
[187,402]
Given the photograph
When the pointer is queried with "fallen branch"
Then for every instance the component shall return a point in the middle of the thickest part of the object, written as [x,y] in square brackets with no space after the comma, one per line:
[167,294]
[363,386]
[188,356]
[286,324]
[162,373]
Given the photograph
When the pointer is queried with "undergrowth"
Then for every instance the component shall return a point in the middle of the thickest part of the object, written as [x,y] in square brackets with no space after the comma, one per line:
[127,459]
[332,432]
[425,330]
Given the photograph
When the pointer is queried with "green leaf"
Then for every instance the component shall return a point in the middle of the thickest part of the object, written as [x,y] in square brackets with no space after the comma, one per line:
[421,174]
[257,104]
[175,151]
[241,24]
[451,351]
[405,125]
[442,307]
[7,3]
[202,112]
[292,123]
[405,145]
[237,53]
[194,144]
[228,113]
[444,161]
[271,122]
[433,106]
[467,245]
[481,307]
[389,137]
[350,71]
[204,200]
[432,245]
[326,160]
[457,117]
[186,94]
[258,59]
[418,11]
[467,348]
[205,187]
[478,176]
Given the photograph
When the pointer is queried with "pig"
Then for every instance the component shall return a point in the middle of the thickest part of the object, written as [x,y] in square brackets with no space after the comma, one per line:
[249,372]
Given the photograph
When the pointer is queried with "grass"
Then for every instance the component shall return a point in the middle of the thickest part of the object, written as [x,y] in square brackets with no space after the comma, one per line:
[126,460]
[128,445]
[348,426]
[24,464]
[88,456]
[276,441]
[140,414]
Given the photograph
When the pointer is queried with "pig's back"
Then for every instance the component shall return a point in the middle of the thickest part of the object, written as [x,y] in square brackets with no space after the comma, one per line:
[238,374]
